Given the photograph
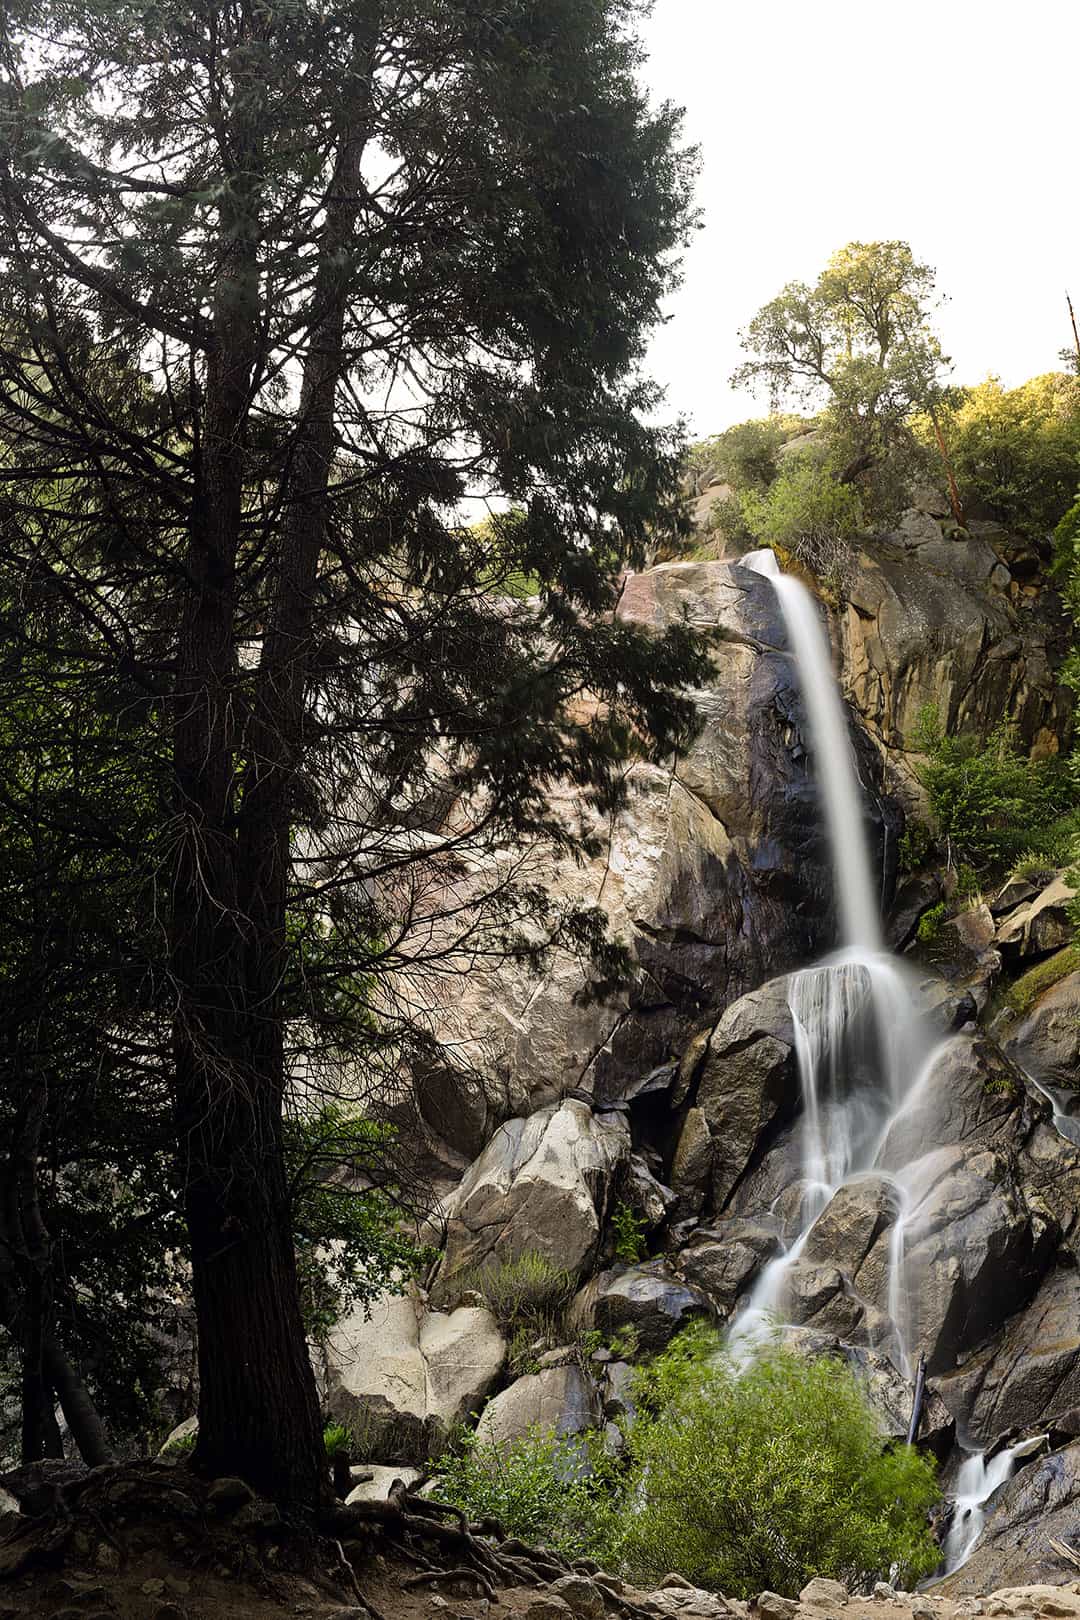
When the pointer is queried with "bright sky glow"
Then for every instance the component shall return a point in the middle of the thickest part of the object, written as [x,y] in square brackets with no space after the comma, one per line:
[949,124]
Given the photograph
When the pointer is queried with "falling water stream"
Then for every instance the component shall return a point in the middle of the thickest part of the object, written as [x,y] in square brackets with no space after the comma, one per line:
[976,1483]
[861,1045]
[865,1055]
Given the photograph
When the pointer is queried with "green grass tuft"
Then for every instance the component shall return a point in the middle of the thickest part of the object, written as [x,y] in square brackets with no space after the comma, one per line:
[1025,991]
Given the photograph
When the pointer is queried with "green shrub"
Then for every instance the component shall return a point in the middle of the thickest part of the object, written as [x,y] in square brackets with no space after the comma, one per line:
[931,923]
[182,1446]
[530,1293]
[557,1491]
[809,513]
[763,1479]
[1025,991]
[916,845]
[628,1230]
[987,798]
[337,1437]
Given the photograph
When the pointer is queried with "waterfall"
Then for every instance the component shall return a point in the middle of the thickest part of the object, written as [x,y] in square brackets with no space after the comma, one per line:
[865,1057]
[975,1484]
[834,756]
[862,1048]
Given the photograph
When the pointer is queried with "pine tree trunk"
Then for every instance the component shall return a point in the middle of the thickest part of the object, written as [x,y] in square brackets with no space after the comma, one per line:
[258,1409]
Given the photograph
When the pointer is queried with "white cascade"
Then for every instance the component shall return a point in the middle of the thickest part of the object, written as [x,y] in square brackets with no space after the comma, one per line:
[861,1046]
[976,1483]
[834,757]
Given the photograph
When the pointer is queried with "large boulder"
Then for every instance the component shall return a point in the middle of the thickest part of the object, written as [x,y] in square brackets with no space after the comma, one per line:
[975,1250]
[1047,1041]
[723,1259]
[1039,926]
[542,1184]
[1038,1506]
[1029,1374]
[562,1400]
[852,1232]
[647,1299]
[402,1376]
[747,1082]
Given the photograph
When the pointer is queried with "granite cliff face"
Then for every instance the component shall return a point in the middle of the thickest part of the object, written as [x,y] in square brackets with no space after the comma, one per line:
[682,1099]
[717,873]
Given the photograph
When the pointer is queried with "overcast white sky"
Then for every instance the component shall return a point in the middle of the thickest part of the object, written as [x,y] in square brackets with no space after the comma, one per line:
[950,124]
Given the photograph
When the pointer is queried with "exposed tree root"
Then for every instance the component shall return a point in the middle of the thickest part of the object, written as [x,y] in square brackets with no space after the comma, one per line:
[435,1577]
[435,1537]
[481,1552]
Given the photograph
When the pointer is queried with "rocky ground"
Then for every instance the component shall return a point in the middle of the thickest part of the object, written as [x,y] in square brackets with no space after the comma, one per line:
[150,1542]
[141,1554]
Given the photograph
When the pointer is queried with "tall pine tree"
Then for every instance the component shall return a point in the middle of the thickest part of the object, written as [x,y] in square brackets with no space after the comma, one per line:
[286,287]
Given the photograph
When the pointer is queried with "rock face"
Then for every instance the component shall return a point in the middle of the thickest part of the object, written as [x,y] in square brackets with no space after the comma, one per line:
[975,1253]
[930,620]
[542,1184]
[1029,1377]
[716,872]
[403,1377]
[1047,1041]
[681,1099]
[746,1081]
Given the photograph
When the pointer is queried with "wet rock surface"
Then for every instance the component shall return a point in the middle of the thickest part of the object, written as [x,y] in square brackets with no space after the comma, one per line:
[1038,1506]
[1030,1375]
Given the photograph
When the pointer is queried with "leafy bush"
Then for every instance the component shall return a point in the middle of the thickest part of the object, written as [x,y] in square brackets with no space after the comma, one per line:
[931,923]
[809,513]
[987,798]
[529,1293]
[629,1233]
[1025,991]
[763,1479]
[1015,451]
[557,1491]
[916,844]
